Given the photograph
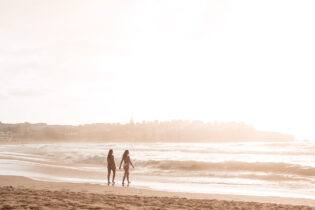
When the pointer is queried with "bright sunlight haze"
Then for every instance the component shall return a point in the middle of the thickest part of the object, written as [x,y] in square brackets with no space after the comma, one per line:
[65,62]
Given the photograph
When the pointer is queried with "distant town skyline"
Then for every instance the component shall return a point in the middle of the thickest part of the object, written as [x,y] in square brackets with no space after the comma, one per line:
[78,62]
[153,131]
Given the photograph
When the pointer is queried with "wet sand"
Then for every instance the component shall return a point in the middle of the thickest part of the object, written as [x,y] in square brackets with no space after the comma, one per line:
[24,193]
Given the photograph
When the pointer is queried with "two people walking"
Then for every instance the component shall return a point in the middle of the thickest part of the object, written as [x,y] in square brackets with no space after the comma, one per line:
[111,166]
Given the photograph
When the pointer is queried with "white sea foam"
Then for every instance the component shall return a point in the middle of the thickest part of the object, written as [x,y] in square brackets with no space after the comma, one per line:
[285,168]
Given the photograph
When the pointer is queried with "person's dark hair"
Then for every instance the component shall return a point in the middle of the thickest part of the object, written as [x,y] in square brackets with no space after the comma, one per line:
[110,153]
[125,153]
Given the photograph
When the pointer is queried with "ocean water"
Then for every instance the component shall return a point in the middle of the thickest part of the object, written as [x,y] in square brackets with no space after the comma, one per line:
[285,169]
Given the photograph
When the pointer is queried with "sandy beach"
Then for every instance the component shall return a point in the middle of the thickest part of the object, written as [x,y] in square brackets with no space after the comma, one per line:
[24,193]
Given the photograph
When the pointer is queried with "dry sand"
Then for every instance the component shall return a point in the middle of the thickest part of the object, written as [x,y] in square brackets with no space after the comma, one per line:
[24,193]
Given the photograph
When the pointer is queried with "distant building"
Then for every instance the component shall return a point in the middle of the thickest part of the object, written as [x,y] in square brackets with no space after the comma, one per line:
[5,136]
[131,122]
[38,126]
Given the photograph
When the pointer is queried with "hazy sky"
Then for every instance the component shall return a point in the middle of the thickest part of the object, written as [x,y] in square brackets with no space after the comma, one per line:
[72,62]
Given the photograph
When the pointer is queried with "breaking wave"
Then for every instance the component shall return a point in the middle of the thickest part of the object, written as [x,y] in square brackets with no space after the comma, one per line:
[231,166]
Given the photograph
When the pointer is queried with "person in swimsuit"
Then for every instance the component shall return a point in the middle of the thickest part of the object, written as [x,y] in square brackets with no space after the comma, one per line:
[127,161]
[111,166]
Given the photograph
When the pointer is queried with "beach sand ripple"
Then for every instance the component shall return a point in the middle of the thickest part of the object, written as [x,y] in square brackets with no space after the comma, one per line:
[25,198]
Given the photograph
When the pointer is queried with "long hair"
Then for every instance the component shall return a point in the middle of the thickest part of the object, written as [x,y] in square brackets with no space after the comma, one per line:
[110,153]
[125,154]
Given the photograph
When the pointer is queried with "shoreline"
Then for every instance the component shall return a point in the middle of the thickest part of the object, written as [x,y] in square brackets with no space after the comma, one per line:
[19,185]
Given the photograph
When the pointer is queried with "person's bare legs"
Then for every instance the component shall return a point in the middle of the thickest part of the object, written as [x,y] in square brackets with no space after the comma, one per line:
[128,177]
[123,181]
[108,175]
[114,173]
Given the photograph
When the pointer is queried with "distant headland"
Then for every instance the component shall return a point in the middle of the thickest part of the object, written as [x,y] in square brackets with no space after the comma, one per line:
[152,131]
